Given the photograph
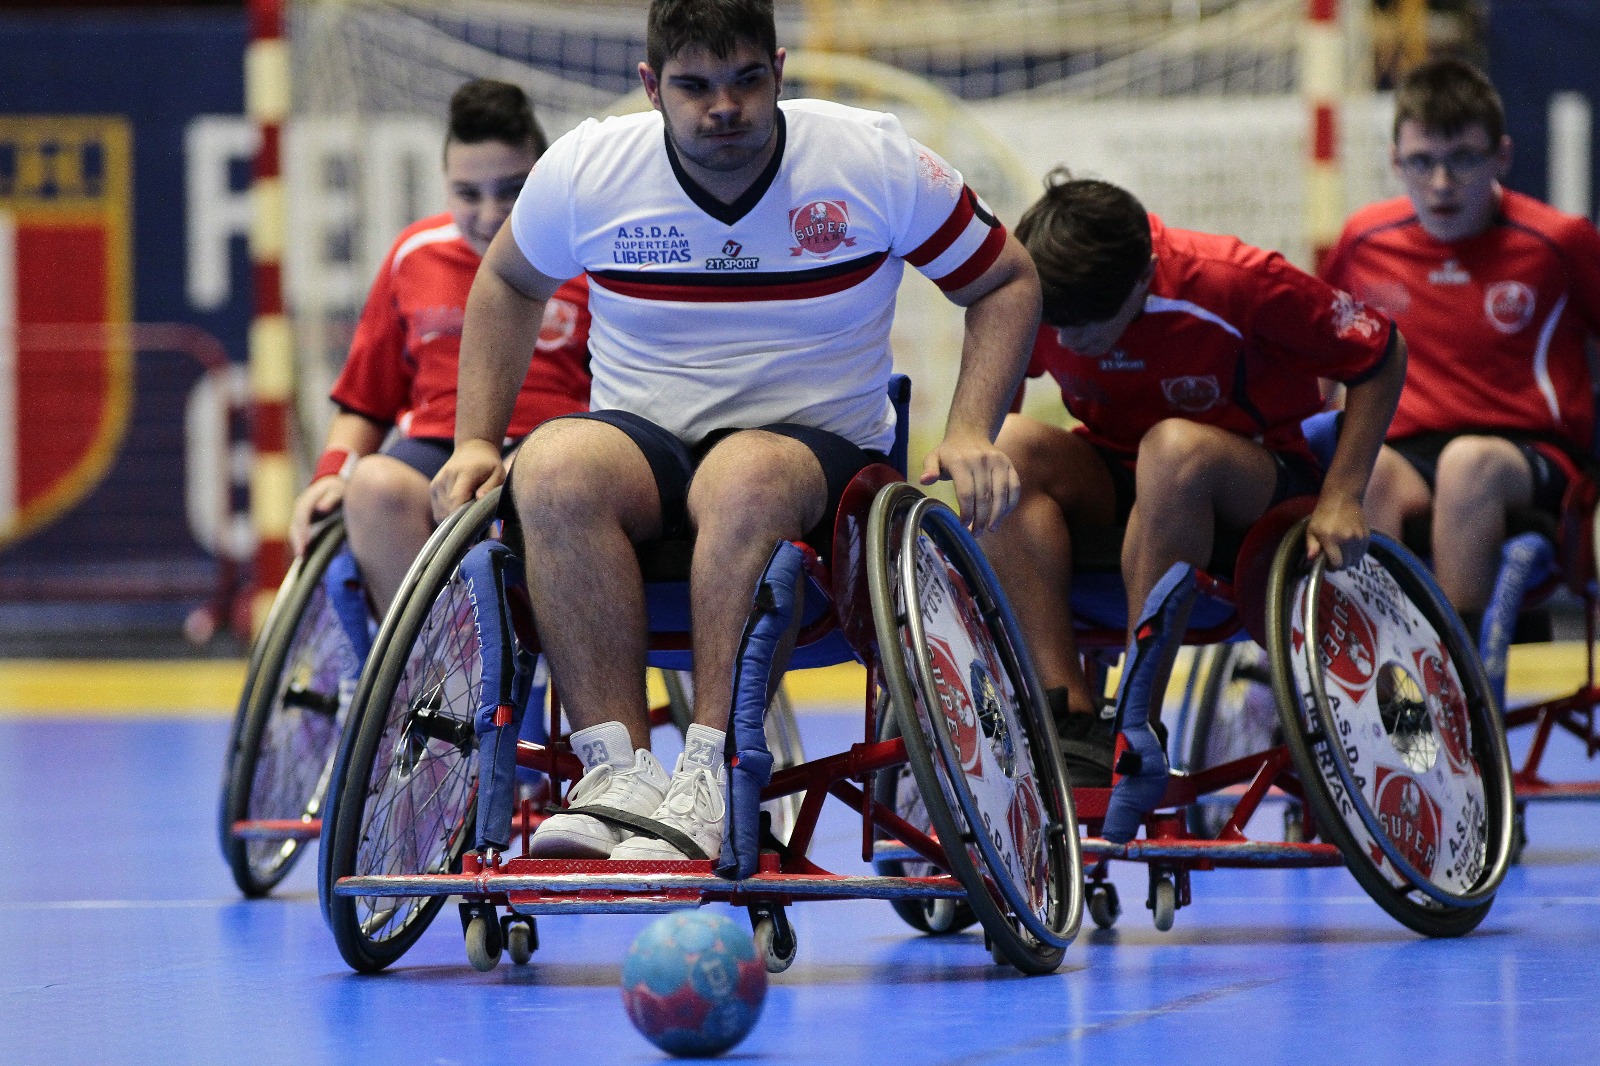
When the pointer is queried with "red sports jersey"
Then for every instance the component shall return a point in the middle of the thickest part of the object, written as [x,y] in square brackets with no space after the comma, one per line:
[1495,324]
[402,364]
[1231,336]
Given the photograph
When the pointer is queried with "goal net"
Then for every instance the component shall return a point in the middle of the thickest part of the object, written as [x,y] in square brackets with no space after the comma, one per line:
[1191,104]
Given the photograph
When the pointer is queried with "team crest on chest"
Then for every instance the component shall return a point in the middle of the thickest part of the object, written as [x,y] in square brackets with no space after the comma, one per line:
[1509,305]
[1192,393]
[820,227]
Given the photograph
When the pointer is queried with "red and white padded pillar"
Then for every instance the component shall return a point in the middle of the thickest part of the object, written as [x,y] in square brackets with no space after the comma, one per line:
[1322,85]
[271,344]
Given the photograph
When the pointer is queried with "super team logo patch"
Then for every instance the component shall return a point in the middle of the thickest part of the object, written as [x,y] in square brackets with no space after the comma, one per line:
[956,703]
[560,322]
[1349,640]
[820,227]
[1410,819]
[1509,305]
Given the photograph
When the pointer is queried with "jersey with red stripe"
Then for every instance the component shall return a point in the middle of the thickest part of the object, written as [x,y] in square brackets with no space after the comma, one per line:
[775,308]
[1495,324]
[402,364]
[1230,336]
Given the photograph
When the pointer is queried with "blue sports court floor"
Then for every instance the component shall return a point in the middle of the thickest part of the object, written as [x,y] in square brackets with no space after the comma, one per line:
[123,940]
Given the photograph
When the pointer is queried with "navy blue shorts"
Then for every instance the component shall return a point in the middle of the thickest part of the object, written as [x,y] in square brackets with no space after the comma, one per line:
[673,463]
[1422,451]
[425,455]
[1297,476]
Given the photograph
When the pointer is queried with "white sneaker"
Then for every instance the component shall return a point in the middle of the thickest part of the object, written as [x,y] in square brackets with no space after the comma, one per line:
[694,804]
[617,776]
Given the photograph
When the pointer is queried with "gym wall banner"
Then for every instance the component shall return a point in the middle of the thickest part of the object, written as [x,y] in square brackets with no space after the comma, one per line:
[1544,57]
[114,454]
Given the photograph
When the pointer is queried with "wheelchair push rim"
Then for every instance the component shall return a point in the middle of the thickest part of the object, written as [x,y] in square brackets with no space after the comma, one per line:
[1420,781]
[940,606]
[409,785]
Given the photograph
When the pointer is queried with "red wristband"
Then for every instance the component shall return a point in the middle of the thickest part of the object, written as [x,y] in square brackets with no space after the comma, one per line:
[331,464]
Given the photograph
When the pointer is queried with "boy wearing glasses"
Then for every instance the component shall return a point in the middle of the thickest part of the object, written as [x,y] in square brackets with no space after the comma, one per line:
[1496,294]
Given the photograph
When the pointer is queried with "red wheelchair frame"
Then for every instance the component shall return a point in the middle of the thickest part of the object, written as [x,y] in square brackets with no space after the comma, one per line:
[840,629]
[1169,847]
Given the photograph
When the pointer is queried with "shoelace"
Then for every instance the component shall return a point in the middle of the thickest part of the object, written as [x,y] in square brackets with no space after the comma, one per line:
[696,794]
[591,785]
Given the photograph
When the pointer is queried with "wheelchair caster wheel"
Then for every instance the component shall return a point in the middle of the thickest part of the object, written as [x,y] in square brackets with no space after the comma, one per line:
[775,946]
[483,942]
[941,914]
[1163,901]
[1104,906]
[1294,824]
[995,953]
[521,938]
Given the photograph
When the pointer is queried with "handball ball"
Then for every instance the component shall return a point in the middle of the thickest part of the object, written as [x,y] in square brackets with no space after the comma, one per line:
[692,983]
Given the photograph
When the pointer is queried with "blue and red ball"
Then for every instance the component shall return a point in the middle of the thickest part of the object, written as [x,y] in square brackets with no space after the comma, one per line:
[692,983]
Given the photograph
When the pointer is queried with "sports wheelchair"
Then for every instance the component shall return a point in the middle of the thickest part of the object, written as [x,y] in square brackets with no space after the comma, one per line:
[1382,727]
[302,677]
[296,699]
[905,591]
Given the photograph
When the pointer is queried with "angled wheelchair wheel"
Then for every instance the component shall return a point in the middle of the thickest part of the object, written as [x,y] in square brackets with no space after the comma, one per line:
[1389,718]
[897,790]
[1228,712]
[407,778]
[975,727]
[286,732]
[783,740]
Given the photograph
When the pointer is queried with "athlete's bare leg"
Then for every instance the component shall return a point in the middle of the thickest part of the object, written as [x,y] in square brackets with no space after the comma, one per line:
[1064,484]
[388,517]
[586,495]
[1479,479]
[1189,476]
[752,490]
[1396,493]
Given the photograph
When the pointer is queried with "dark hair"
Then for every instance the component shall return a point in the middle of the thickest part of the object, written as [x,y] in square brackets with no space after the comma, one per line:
[1445,96]
[486,110]
[1091,243]
[715,25]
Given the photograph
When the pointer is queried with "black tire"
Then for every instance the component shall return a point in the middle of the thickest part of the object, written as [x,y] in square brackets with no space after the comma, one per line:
[1029,923]
[407,778]
[1229,711]
[897,790]
[783,740]
[286,733]
[1401,723]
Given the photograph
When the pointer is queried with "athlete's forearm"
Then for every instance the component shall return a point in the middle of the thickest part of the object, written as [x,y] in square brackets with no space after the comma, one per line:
[354,433]
[1369,406]
[497,339]
[1000,328]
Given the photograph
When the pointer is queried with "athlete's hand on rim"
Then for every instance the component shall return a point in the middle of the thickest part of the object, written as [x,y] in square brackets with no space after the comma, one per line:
[472,470]
[1338,529]
[986,484]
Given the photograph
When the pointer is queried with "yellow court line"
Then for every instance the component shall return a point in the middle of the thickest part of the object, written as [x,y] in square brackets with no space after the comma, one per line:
[209,688]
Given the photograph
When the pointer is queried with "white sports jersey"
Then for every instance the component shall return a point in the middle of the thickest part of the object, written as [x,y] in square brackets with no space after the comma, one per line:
[775,308]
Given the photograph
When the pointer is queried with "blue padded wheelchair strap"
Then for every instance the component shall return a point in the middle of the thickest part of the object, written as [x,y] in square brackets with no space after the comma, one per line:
[1525,561]
[347,593]
[768,631]
[489,570]
[1143,765]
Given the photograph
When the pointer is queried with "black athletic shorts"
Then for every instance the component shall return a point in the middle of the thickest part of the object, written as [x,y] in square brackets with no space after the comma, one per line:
[425,455]
[1297,476]
[1422,451]
[673,464]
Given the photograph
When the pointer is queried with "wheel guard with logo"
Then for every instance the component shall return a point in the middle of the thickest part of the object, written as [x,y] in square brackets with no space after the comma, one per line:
[490,571]
[1525,561]
[1143,767]
[347,592]
[769,635]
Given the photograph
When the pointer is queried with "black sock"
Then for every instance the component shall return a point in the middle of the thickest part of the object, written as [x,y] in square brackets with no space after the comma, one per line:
[1060,707]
